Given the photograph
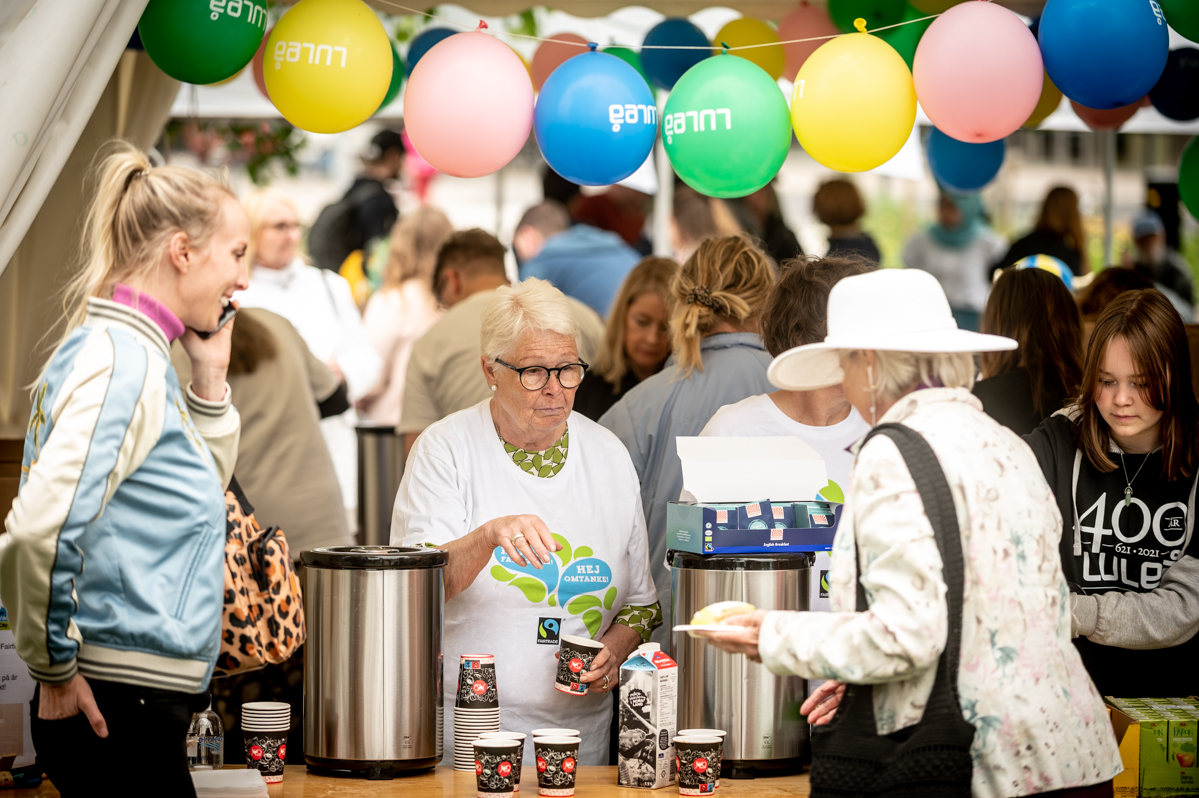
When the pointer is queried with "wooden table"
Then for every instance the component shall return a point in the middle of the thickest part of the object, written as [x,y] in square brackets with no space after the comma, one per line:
[442,782]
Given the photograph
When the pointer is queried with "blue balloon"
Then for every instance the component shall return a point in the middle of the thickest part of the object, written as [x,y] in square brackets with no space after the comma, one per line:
[963,167]
[665,67]
[1104,53]
[595,119]
[424,42]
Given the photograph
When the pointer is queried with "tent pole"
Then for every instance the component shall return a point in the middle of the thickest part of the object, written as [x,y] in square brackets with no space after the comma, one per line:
[1109,169]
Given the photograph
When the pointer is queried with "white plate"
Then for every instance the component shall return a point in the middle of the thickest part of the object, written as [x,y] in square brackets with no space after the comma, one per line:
[707,627]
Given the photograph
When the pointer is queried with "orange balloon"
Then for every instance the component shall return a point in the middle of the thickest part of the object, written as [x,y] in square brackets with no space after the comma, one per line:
[257,62]
[805,22]
[552,53]
[1113,119]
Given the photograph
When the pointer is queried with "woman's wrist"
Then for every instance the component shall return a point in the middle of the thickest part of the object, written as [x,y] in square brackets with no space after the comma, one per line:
[208,382]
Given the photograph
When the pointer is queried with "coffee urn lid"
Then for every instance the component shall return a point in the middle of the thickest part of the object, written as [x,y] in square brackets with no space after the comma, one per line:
[740,562]
[373,558]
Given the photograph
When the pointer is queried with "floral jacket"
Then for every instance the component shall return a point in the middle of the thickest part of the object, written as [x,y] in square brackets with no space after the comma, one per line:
[1040,724]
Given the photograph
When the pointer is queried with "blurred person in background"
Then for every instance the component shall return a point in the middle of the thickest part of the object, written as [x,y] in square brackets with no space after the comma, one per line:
[1107,285]
[718,359]
[838,205]
[366,212]
[320,306]
[637,341]
[1123,461]
[1058,232]
[760,214]
[1169,271]
[621,209]
[405,308]
[959,250]
[1020,388]
[695,218]
[795,314]
[581,261]
[443,371]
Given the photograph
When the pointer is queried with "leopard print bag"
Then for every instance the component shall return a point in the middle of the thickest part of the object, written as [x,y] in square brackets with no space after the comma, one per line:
[263,618]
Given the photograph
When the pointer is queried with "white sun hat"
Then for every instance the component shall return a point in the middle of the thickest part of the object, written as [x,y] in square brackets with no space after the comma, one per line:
[893,310]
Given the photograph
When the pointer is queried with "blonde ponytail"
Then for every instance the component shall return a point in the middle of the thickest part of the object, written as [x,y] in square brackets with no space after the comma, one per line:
[135,209]
[726,278]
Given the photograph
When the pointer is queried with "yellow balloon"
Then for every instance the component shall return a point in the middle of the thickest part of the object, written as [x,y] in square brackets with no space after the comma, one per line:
[1051,98]
[747,30]
[328,64]
[854,103]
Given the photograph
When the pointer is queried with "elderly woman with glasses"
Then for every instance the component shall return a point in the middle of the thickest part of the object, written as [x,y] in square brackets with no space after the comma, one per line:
[539,513]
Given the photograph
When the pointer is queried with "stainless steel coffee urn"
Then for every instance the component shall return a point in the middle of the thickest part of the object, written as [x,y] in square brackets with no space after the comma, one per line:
[758,710]
[373,662]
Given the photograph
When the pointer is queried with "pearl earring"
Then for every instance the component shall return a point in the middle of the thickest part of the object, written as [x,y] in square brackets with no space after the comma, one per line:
[493,387]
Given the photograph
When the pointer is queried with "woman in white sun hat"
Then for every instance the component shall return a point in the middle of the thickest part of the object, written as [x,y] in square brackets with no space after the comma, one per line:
[1039,725]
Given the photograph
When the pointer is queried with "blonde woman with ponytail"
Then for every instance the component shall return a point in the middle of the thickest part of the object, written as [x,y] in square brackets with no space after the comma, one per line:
[112,568]
[718,360]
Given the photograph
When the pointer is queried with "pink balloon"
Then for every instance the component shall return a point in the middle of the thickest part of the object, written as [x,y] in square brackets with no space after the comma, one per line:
[468,107]
[804,22]
[552,53]
[1113,119]
[978,72]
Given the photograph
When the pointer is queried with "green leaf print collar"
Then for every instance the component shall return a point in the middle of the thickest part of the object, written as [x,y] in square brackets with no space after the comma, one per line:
[546,463]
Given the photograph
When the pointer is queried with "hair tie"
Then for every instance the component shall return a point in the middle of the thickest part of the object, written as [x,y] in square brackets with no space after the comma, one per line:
[702,295]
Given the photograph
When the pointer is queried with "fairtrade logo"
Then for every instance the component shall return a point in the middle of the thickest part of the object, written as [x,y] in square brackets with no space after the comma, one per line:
[255,752]
[576,665]
[283,751]
[568,765]
[540,765]
[479,687]
[824,584]
[478,768]
[504,769]
[548,630]
[700,766]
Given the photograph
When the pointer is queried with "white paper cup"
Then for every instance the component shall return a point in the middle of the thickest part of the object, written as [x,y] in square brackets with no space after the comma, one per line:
[555,733]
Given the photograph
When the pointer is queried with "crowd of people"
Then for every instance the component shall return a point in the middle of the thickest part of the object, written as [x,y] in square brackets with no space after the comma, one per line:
[539,419]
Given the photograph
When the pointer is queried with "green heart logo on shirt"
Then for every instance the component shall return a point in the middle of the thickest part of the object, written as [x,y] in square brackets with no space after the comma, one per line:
[573,585]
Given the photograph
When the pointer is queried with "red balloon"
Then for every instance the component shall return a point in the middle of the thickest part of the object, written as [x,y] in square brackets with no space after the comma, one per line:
[552,53]
[1113,119]
[805,22]
[256,64]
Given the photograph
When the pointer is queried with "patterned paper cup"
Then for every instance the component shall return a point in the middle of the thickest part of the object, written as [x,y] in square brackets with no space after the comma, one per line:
[720,733]
[266,752]
[477,687]
[503,735]
[575,657]
[557,760]
[697,760]
[497,767]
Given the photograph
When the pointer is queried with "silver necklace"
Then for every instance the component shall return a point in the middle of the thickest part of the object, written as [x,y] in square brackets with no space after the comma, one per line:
[1128,482]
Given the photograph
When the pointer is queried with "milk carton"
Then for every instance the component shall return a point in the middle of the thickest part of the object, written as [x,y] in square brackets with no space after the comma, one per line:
[648,696]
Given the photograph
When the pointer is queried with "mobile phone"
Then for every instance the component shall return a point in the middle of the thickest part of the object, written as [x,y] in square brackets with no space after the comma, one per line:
[229,312]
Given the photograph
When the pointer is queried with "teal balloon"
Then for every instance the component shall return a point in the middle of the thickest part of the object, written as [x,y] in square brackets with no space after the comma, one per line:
[906,38]
[877,13]
[397,78]
[202,41]
[631,58]
[726,127]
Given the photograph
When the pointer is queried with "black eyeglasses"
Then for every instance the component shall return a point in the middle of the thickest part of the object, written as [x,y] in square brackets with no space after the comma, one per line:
[534,378]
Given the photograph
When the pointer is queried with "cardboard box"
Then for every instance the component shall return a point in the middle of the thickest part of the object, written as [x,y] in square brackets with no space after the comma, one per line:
[1127,784]
[648,712]
[1158,749]
[704,529]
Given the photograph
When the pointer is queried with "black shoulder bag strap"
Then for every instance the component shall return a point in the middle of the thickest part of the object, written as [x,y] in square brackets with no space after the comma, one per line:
[931,758]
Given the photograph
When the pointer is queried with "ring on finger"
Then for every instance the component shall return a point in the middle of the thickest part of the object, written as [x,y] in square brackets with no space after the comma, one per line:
[518,536]
[606,680]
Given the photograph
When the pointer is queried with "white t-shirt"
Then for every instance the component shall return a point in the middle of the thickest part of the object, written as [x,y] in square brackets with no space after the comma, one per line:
[458,477]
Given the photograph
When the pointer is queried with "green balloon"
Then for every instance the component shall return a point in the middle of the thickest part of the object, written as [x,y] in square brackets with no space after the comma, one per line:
[632,59]
[877,13]
[202,41]
[1188,177]
[397,77]
[726,127]
[1183,16]
[905,39]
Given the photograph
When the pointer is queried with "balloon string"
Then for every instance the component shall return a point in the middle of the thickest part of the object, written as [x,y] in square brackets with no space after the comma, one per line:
[655,46]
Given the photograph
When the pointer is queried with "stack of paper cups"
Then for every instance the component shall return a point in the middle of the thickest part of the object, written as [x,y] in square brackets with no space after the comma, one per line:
[477,707]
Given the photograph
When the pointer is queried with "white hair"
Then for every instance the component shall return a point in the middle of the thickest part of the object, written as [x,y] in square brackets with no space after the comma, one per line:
[898,373]
[529,306]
